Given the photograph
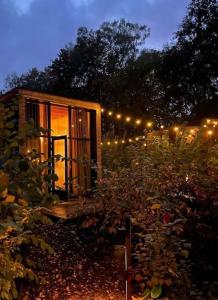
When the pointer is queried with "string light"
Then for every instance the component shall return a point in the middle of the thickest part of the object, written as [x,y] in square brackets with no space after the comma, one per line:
[118,116]
[149,124]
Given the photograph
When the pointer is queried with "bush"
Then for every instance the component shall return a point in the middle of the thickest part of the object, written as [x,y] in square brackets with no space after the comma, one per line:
[170,190]
[22,189]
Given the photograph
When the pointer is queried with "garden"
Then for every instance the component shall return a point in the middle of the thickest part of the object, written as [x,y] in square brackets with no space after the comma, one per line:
[147,120]
[169,191]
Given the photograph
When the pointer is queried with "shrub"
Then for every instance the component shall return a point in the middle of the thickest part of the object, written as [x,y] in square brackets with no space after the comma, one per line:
[23,188]
[169,189]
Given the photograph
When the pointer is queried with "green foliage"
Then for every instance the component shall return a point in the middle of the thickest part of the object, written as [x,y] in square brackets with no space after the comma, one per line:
[22,190]
[168,189]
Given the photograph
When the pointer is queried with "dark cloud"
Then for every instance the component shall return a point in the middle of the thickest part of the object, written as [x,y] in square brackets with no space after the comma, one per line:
[33,37]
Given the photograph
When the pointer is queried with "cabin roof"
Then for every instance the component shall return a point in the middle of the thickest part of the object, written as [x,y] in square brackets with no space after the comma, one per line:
[28,93]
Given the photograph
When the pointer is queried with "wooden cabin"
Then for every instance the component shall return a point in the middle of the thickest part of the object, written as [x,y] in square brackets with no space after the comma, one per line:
[74,131]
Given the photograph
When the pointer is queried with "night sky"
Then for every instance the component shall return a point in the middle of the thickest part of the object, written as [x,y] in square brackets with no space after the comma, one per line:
[33,31]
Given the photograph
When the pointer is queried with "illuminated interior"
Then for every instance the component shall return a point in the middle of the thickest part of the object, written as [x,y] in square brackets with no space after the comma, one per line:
[70,136]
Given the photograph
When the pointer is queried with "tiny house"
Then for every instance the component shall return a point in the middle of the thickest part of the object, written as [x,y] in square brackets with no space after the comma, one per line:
[73,131]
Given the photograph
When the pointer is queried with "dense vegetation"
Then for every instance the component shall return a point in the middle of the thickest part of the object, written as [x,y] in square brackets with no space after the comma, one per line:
[23,189]
[170,191]
[111,65]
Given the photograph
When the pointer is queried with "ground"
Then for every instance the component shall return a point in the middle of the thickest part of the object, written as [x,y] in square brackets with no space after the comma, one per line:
[75,271]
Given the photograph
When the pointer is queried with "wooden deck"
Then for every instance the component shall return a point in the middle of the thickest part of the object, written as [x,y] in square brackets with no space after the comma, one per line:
[72,209]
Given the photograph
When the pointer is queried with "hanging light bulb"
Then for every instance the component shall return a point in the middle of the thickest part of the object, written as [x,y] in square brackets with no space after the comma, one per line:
[116,142]
[210,132]
[161,127]
[208,121]
[130,140]
[205,126]
[176,128]
[122,141]
[149,124]
[138,122]
[144,144]
[128,119]
[102,110]
[137,138]
[118,116]
[110,113]
[108,143]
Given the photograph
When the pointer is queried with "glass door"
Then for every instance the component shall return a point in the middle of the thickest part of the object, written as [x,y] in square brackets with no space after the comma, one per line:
[59,147]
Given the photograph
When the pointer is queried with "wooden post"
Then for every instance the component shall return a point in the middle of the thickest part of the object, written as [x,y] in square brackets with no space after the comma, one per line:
[128,257]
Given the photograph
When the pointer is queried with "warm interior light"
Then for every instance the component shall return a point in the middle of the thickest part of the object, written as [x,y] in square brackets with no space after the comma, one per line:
[138,122]
[130,140]
[119,116]
[208,121]
[192,130]
[102,110]
[110,113]
[80,120]
[108,143]
[161,127]
[128,119]
[144,144]
[204,125]
[149,124]
[136,138]
[123,142]
[116,142]
[210,132]
[175,128]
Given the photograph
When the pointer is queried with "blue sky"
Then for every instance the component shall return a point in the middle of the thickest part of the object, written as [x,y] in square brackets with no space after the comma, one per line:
[33,31]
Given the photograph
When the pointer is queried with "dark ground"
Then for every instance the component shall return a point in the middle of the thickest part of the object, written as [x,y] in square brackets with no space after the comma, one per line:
[76,271]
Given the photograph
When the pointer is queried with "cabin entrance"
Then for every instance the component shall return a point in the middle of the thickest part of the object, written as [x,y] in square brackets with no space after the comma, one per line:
[60,167]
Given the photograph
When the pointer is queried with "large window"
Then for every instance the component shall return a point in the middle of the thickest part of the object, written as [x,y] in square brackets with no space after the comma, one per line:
[38,114]
[69,134]
[80,149]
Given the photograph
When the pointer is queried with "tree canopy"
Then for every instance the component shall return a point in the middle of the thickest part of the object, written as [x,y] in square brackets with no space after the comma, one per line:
[111,65]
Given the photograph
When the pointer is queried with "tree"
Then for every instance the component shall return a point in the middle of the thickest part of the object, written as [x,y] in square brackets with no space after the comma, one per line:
[33,79]
[189,68]
[97,57]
